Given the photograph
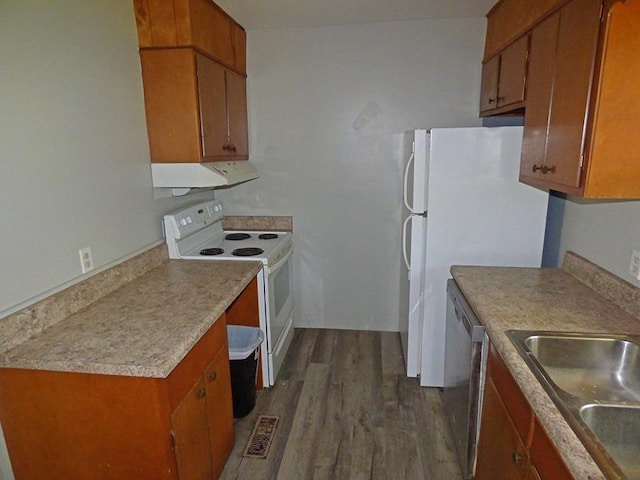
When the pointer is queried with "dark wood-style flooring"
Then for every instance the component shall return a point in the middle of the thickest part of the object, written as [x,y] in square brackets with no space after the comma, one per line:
[347,411]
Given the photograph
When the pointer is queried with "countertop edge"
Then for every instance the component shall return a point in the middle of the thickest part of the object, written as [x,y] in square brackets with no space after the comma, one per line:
[190,331]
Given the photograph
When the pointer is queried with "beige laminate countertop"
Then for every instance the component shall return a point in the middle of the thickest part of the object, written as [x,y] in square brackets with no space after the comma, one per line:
[541,299]
[142,329]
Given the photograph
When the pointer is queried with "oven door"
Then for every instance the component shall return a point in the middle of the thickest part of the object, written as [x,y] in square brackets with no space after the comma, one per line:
[280,311]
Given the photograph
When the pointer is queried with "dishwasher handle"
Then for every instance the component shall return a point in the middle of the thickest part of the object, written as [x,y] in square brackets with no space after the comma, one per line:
[464,313]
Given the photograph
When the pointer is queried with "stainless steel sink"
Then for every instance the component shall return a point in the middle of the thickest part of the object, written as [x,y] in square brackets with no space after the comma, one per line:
[594,380]
[618,428]
[593,368]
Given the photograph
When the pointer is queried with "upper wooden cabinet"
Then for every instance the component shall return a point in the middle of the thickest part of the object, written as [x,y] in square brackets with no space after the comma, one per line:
[508,20]
[196,109]
[581,130]
[504,79]
[562,62]
[195,23]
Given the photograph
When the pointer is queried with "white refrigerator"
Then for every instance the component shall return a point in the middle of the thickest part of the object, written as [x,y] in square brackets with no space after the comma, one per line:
[463,205]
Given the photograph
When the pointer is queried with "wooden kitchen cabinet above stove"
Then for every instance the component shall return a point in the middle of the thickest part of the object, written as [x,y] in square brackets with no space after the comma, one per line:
[196,23]
[196,109]
[193,58]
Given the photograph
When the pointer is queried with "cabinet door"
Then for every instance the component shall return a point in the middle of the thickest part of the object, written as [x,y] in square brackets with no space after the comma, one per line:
[213,107]
[489,85]
[237,114]
[217,379]
[501,453]
[542,53]
[533,473]
[191,435]
[513,72]
[545,458]
[170,98]
[575,59]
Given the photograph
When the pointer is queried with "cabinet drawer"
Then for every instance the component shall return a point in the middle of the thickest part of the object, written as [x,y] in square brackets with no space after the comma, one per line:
[514,400]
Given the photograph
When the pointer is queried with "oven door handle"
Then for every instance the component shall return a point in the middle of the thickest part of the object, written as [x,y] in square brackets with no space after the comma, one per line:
[274,268]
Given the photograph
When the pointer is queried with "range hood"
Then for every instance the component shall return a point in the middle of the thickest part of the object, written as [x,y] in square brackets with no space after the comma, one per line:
[199,175]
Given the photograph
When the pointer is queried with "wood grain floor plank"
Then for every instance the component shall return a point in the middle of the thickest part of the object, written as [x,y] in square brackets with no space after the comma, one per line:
[299,354]
[348,412]
[298,459]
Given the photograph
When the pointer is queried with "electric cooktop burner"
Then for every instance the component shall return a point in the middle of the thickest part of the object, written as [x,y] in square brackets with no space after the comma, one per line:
[247,252]
[237,236]
[211,251]
[268,236]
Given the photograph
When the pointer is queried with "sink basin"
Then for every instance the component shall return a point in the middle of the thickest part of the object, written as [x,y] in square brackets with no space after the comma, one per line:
[594,380]
[618,428]
[593,368]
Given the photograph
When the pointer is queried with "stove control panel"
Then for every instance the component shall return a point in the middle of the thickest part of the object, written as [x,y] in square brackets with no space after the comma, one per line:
[191,219]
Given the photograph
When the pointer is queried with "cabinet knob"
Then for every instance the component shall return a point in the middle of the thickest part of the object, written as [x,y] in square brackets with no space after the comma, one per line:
[226,147]
[544,169]
[202,393]
[492,100]
[213,376]
[516,458]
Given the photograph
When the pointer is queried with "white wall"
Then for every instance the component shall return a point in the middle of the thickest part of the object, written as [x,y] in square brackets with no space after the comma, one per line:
[604,232]
[326,107]
[74,168]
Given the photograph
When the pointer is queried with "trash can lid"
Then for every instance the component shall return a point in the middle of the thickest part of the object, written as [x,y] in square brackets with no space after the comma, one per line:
[243,341]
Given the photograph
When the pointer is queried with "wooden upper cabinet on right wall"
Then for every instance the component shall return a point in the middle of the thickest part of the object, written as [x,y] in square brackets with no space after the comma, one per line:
[504,79]
[581,131]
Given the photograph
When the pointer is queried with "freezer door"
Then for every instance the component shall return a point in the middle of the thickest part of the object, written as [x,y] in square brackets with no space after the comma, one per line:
[416,174]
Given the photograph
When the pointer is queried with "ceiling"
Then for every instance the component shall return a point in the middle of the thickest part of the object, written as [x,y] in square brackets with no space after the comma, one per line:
[255,14]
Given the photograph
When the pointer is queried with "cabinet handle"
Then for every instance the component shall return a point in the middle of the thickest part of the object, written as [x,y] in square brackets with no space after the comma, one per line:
[544,169]
[226,147]
[202,393]
[492,100]
[213,376]
[516,458]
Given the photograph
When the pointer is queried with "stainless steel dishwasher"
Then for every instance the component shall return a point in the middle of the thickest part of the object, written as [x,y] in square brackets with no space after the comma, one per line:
[464,371]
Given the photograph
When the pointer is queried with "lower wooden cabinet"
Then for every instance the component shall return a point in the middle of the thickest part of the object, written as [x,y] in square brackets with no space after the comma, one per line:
[202,425]
[513,445]
[501,453]
[217,381]
[61,425]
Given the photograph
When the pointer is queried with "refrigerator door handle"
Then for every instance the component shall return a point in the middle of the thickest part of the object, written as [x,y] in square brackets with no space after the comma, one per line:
[404,243]
[405,192]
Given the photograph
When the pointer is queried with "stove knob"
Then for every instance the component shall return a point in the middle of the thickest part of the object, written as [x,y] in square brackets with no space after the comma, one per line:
[183,222]
[189,220]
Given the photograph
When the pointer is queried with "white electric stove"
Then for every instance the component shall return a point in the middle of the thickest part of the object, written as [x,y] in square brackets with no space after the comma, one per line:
[195,233]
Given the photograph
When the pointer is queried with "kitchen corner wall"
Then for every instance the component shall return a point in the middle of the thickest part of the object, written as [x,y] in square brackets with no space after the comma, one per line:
[74,168]
[604,232]
[327,106]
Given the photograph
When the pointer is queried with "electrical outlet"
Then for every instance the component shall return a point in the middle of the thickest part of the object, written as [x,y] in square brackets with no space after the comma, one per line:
[634,266]
[86,259]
